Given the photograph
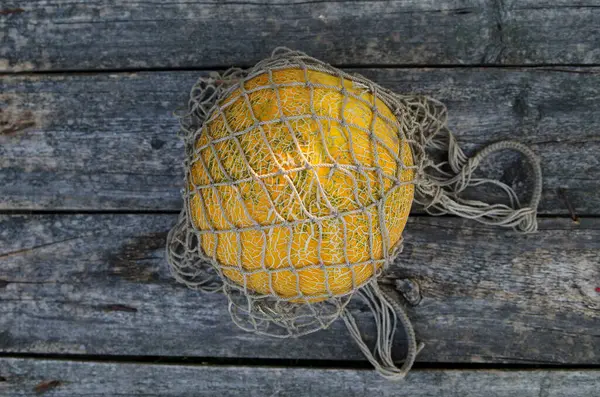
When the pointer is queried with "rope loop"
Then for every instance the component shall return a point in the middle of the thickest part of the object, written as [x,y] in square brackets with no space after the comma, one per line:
[384,303]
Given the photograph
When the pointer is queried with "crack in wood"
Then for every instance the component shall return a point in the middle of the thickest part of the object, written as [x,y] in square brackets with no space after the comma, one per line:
[13,122]
[119,308]
[10,11]
[30,249]
[46,386]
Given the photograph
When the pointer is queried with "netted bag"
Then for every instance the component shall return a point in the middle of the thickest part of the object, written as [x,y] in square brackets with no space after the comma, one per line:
[299,182]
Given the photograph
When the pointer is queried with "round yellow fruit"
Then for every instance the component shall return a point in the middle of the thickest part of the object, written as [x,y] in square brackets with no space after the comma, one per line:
[285,194]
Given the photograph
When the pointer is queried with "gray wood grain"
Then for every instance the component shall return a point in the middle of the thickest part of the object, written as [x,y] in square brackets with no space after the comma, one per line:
[108,141]
[98,284]
[82,35]
[29,377]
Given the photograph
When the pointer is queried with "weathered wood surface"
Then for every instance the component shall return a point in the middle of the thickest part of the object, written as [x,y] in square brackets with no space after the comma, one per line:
[108,141]
[28,377]
[98,284]
[68,35]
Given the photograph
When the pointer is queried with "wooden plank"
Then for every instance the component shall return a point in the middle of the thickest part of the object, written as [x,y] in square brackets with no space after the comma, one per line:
[79,35]
[108,142]
[99,284]
[29,377]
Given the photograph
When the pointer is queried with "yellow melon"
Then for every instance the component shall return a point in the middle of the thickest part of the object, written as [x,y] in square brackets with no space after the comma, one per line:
[307,211]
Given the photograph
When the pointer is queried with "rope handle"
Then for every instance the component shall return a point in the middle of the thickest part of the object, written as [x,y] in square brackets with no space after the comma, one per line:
[438,191]
[384,303]
[529,156]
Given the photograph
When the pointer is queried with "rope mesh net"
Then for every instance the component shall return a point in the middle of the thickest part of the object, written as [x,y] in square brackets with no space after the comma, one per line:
[299,179]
